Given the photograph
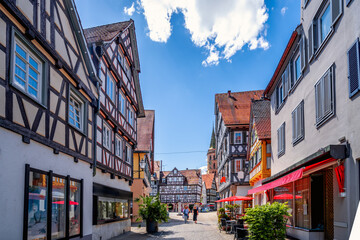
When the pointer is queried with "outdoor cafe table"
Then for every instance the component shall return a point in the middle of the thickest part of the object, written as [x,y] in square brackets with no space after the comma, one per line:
[230,223]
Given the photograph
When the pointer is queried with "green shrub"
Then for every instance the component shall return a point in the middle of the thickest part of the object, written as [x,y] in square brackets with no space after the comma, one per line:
[222,210]
[223,215]
[267,221]
[151,209]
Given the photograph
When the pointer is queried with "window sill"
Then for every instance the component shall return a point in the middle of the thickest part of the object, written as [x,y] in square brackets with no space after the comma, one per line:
[82,132]
[324,120]
[298,140]
[28,96]
[281,154]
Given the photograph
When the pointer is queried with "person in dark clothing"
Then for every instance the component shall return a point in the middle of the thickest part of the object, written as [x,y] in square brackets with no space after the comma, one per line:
[195,214]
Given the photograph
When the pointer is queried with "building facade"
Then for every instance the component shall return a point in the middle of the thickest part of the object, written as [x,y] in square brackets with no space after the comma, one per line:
[143,159]
[314,125]
[259,145]
[113,49]
[179,187]
[48,99]
[155,179]
[211,156]
[232,114]
[209,190]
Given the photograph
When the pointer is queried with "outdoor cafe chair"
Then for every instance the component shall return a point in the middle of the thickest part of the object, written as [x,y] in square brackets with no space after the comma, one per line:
[241,233]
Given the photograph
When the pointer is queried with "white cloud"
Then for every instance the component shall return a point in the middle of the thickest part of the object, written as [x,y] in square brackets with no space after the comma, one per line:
[130,11]
[221,27]
[283,10]
[203,170]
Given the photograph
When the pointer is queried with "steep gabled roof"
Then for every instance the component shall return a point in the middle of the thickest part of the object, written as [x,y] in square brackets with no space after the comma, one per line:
[192,175]
[145,130]
[260,114]
[208,179]
[105,33]
[235,107]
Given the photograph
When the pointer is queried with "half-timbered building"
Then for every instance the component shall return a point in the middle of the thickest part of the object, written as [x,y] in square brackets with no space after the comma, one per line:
[232,114]
[114,54]
[178,187]
[259,145]
[48,99]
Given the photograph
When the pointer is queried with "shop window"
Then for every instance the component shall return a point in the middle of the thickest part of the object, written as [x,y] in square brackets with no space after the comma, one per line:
[302,193]
[111,209]
[284,194]
[52,207]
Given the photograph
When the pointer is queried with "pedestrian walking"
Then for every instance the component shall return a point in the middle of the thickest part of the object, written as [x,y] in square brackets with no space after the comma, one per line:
[195,214]
[186,214]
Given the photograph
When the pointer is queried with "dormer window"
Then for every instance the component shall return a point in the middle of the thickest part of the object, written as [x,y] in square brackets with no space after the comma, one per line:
[175,171]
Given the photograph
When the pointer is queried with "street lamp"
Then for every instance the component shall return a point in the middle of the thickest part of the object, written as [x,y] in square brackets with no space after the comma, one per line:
[142,164]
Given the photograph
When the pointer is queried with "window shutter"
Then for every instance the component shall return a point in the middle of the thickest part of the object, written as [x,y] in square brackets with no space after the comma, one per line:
[315,40]
[303,52]
[336,10]
[231,138]
[327,94]
[279,140]
[311,44]
[353,65]
[298,122]
[283,138]
[243,134]
[289,76]
[293,116]
[318,100]
[302,123]
[284,83]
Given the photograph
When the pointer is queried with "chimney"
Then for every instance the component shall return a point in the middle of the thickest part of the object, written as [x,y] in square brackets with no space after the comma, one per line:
[229,93]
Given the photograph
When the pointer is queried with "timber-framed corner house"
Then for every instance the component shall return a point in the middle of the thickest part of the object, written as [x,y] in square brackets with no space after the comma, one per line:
[232,117]
[51,130]
[113,50]
[48,99]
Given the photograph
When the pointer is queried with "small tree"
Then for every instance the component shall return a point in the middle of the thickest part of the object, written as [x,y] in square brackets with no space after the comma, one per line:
[267,221]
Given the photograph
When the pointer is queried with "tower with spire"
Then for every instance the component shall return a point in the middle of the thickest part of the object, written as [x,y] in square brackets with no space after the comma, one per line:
[211,157]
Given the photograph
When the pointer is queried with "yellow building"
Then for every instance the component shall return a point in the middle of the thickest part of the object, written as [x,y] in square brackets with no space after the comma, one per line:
[143,160]
[259,155]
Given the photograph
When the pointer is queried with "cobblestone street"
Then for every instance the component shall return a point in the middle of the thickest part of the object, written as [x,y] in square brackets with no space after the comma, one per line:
[175,229]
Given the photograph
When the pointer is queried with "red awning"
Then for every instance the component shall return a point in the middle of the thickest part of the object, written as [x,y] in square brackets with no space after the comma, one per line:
[291,177]
[234,198]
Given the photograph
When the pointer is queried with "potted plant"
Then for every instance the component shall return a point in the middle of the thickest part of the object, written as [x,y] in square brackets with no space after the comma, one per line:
[152,211]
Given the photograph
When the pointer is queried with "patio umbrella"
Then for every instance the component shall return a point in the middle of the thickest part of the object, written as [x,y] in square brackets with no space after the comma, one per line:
[286,196]
[234,198]
[70,202]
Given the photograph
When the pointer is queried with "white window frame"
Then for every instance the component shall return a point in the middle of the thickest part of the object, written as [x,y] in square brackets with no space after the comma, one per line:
[297,57]
[128,153]
[241,137]
[29,53]
[110,79]
[72,99]
[122,104]
[107,137]
[118,146]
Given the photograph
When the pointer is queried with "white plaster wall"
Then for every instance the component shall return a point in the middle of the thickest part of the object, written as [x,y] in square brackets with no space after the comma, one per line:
[346,120]
[14,154]
[109,230]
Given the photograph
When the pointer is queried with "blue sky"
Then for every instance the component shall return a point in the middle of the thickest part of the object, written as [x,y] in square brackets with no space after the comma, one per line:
[176,84]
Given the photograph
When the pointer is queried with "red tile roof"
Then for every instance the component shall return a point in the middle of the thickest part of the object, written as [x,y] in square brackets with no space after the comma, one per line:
[192,175]
[145,131]
[235,106]
[260,113]
[105,33]
[208,179]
